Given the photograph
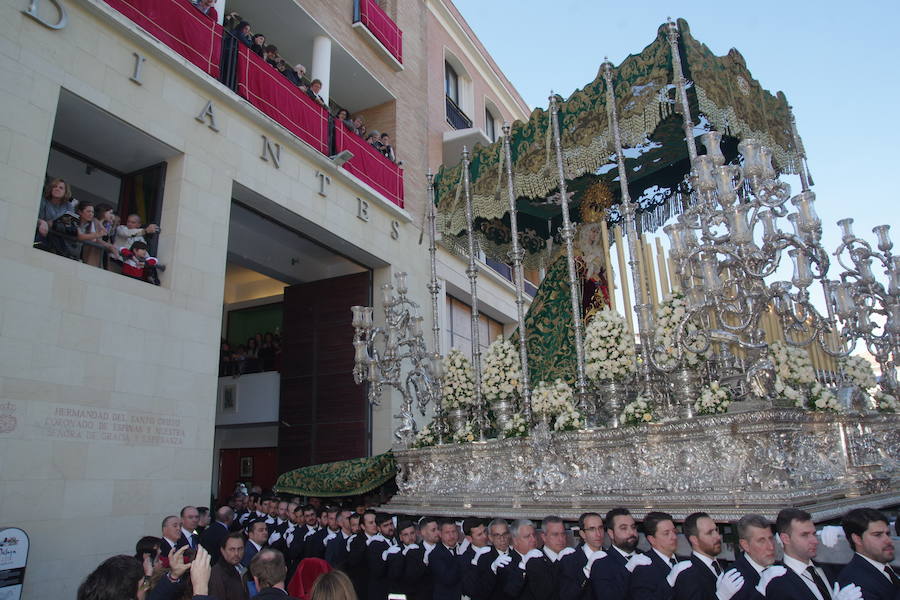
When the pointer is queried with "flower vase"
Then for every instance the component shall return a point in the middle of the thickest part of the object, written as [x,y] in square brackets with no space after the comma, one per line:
[612,398]
[456,418]
[685,386]
[504,409]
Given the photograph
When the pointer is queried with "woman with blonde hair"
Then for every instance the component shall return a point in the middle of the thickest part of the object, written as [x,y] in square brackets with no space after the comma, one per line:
[334,585]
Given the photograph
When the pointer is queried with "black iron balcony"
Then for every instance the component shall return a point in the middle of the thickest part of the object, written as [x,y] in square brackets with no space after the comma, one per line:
[456,117]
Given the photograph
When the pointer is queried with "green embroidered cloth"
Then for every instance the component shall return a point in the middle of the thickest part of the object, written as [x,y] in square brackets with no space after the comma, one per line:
[342,478]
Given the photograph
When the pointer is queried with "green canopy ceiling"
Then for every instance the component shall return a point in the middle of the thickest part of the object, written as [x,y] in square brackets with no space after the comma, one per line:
[722,94]
[342,478]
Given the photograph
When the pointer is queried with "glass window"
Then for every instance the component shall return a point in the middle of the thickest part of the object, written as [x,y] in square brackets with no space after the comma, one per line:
[459,327]
[489,127]
[451,83]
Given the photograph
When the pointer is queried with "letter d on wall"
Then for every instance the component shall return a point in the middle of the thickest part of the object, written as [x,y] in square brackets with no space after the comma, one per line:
[63,19]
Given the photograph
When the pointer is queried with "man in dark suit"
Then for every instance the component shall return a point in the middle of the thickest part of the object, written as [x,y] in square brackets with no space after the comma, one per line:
[530,574]
[315,544]
[257,535]
[395,559]
[171,532]
[610,575]
[190,518]
[417,576]
[553,536]
[378,547]
[446,566]
[215,534]
[802,579]
[758,552]
[486,582]
[269,572]
[699,579]
[336,547]
[869,535]
[575,568]
[357,567]
[648,582]
[475,530]
[226,580]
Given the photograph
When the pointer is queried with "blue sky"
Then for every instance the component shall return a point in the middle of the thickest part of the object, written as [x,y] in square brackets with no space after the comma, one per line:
[837,63]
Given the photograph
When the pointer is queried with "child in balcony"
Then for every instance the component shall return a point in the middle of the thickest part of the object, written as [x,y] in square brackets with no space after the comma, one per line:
[138,263]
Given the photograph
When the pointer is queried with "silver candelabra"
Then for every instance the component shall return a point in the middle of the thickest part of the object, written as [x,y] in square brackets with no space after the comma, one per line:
[396,356]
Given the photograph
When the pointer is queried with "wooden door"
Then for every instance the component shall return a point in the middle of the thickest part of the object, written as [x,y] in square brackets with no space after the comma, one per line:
[250,465]
[324,415]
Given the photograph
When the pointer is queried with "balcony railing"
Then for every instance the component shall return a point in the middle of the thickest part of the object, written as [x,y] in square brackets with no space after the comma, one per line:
[381,25]
[455,116]
[203,42]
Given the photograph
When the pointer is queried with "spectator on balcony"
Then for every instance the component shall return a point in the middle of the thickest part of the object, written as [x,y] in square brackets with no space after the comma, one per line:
[313,92]
[359,126]
[138,263]
[242,32]
[90,230]
[289,73]
[132,232]
[57,201]
[108,219]
[259,44]
[386,147]
[208,8]
[271,55]
[344,117]
[373,138]
[267,351]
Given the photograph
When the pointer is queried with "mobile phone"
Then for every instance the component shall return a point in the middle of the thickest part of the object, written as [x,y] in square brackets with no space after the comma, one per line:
[396,597]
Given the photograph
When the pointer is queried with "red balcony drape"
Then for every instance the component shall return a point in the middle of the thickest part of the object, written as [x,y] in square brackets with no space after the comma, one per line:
[382,27]
[180,26]
[369,165]
[269,91]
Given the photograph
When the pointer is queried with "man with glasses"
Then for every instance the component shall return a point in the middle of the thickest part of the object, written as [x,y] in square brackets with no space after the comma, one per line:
[575,568]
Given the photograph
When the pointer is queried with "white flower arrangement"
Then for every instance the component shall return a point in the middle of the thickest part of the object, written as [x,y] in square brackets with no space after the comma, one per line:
[426,437]
[793,372]
[465,434]
[858,371]
[517,427]
[458,388]
[609,353]
[637,412]
[819,398]
[886,403]
[552,399]
[501,373]
[714,399]
[671,312]
[568,420]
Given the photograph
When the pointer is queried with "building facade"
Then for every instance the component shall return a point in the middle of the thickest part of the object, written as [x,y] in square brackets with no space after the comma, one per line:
[115,408]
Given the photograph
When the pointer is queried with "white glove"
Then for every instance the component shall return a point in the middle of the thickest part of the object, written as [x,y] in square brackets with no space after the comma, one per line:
[461,549]
[531,554]
[350,541]
[269,521]
[501,561]
[768,575]
[478,553]
[565,552]
[830,535]
[289,538]
[728,584]
[676,570]
[274,537]
[425,556]
[396,549]
[377,537]
[410,547]
[636,561]
[596,555]
[309,533]
[850,592]
[331,535]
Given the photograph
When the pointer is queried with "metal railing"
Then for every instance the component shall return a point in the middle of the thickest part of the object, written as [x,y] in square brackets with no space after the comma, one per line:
[455,116]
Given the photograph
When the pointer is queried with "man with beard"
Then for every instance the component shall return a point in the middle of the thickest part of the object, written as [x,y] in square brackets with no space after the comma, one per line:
[648,582]
[336,547]
[575,568]
[378,547]
[226,580]
[758,545]
[417,574]
[869,535]
[530,575]
[446,566]
[697,578]
[610,574]
[395,560]
[315,544]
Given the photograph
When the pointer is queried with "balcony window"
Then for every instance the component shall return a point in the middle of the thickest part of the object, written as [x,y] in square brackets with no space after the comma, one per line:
[489,127]
[451,84]
[459,327]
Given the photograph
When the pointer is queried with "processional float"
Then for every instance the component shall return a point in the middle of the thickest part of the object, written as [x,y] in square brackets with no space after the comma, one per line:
[729,413]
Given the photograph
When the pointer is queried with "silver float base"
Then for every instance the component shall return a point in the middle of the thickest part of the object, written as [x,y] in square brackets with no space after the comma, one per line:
[727,465]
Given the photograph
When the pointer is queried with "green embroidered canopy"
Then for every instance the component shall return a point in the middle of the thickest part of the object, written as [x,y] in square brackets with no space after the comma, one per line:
[342,478]
[722,94]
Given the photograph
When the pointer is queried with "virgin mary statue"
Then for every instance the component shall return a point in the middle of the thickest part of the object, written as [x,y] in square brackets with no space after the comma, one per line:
[549,327]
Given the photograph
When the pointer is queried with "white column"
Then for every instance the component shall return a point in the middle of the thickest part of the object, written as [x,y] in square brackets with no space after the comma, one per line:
[321,63]
[220,10]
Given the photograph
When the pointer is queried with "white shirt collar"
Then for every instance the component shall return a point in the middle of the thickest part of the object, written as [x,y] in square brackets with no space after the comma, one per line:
[666,559]
[622,552]
[707,560]
[795,565]
[587,550]
[754,564]
[876,564]
[428,547]
[506,553]
[553,556]
[171,543]
[187,534]
[257,546]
